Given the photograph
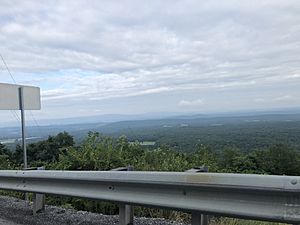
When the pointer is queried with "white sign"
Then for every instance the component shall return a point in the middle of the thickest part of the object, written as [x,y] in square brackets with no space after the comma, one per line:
[9,97]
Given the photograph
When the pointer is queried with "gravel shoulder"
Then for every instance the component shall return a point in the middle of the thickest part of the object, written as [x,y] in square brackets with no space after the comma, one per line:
[14,211]
[6,222]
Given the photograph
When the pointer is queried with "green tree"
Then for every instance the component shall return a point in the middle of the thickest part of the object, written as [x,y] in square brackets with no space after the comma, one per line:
[163,159]
[5,155]
[5,163]
[4,150]
[204,156]
[228,158]
[46,151]
[130,153]
[281,159]
[95,153]
[18,155]
[64,139]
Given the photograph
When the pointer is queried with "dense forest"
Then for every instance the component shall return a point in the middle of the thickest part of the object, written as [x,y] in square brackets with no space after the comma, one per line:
[99,152]
[244,136]
[244,133]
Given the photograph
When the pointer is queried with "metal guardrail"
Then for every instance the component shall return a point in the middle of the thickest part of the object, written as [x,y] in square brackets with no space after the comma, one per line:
[259,197]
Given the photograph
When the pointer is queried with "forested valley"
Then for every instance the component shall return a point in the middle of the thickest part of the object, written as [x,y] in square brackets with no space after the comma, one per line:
[100,152]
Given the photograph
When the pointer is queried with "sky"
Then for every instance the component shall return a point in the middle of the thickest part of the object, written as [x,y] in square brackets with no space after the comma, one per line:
[134,57]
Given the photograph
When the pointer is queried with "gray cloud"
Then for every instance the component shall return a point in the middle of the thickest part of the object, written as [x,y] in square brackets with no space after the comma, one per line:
[87,51]
[191,103]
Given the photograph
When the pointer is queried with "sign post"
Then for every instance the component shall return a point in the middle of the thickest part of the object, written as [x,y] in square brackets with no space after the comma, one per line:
[19,97]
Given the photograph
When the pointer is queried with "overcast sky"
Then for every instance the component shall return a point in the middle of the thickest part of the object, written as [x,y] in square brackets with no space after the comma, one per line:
[128,57]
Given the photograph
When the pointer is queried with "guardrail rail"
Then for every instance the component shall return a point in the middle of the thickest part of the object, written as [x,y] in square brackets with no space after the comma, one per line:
[259,197]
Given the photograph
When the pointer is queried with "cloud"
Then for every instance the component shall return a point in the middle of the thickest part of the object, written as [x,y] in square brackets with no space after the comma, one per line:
[192,103]
[140,50]
[260,100]
[278,100]
[284,98]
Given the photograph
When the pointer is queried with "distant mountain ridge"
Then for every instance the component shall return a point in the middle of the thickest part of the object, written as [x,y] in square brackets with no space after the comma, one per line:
[114,123]
[182,132]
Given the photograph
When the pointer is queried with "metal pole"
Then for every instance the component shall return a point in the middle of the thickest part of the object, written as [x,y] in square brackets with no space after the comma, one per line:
[21,100]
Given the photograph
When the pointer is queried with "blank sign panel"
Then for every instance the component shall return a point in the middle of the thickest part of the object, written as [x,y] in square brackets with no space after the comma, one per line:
[9,97]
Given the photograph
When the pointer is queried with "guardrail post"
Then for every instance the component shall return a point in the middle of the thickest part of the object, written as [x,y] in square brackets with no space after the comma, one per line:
[197,217]
[38,199]
[125,211]
[125,214]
